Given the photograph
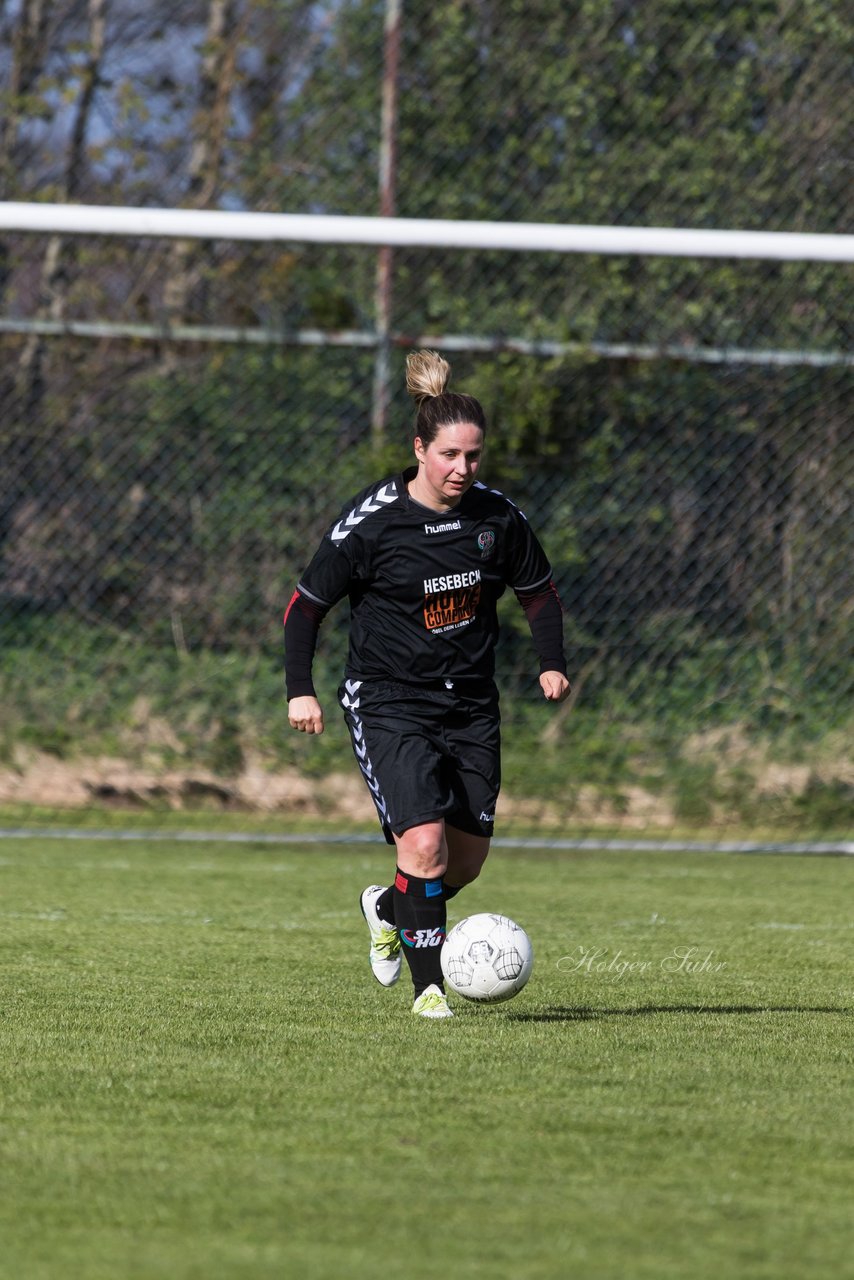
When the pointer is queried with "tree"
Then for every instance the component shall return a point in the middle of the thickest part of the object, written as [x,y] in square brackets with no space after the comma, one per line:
[57,263]
[210,128]
[30,45]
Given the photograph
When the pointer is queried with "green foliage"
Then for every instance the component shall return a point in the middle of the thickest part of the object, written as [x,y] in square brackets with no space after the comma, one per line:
[697,734]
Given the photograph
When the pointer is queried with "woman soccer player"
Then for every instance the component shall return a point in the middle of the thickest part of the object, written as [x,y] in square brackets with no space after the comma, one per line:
[424,557]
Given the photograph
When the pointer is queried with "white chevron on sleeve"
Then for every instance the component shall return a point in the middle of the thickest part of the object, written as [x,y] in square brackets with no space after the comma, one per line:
[478,484]
[373,502]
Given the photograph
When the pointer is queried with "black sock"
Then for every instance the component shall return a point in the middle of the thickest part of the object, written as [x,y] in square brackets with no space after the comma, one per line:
[385,902]
[384,905]
[421,917]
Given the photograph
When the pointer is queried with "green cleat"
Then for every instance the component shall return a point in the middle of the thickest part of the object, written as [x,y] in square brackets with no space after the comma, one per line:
[385,939]
[432,1004]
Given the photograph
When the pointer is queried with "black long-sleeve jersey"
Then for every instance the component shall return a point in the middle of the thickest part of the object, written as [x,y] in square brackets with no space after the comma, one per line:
[423,585]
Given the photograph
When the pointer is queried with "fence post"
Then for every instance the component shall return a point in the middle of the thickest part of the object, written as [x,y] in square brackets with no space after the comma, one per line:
[387,181]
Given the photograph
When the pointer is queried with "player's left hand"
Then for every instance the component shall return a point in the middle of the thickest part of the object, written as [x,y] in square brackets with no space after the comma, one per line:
[555,686]
[305,714]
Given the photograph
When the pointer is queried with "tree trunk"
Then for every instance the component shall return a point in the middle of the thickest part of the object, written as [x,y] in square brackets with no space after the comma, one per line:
[29,48]
[205,165]
[57,261]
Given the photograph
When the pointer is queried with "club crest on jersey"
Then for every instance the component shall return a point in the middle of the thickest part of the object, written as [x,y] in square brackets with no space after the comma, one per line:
[486,542]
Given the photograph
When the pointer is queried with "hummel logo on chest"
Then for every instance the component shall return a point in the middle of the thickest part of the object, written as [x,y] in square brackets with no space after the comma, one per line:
[447,527]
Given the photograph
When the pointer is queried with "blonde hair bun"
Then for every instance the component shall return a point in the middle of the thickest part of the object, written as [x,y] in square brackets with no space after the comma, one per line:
[427,375]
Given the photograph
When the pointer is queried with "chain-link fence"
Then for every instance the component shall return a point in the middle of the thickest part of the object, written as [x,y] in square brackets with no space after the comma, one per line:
[180,420]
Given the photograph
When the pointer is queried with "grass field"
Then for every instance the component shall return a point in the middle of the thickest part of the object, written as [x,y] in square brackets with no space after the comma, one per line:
[199,1077]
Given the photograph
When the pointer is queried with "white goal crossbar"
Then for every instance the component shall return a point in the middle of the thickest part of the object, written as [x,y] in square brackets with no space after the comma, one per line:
[542,237]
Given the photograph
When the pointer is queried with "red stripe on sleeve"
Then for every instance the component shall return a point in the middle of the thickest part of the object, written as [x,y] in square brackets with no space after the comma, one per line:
[291,604]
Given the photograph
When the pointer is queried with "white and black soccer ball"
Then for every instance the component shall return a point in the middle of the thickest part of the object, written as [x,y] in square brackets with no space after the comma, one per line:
[487,957]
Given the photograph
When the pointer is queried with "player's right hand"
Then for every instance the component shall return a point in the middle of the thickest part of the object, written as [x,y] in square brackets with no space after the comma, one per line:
[305,715]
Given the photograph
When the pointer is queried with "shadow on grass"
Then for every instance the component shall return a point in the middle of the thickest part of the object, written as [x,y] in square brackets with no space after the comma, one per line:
[562,1013]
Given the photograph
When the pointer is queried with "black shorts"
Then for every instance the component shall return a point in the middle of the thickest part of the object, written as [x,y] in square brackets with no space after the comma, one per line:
[427,753]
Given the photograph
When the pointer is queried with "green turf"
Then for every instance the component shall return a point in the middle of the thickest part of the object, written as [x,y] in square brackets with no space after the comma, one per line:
[199,1077]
